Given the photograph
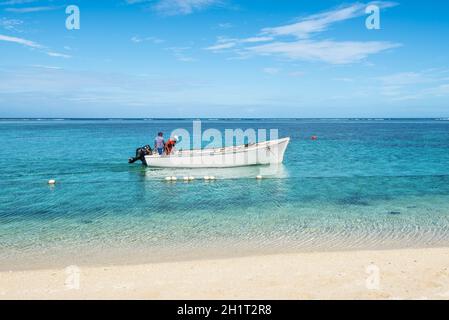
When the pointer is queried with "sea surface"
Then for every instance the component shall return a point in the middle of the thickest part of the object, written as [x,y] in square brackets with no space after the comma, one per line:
[363,184]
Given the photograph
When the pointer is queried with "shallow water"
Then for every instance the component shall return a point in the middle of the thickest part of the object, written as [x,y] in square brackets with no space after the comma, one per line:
[362,185]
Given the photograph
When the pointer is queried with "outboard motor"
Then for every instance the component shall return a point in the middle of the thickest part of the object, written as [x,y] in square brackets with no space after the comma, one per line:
[141,153]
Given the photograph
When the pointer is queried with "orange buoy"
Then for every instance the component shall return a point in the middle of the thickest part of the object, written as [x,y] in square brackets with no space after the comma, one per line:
[314,138]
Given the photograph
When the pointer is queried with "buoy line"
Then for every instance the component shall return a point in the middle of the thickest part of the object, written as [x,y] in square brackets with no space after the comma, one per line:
[205,178]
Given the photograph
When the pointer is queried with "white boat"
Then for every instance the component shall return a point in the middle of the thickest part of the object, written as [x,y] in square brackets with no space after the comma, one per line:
[267,152]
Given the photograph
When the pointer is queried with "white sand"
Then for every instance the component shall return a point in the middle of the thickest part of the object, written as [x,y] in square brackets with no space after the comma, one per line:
[403,274]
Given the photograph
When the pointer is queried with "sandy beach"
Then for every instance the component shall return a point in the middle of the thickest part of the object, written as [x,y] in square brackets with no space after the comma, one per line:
[392,274]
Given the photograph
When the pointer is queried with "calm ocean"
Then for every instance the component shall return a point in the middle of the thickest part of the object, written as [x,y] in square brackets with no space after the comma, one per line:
[362,185]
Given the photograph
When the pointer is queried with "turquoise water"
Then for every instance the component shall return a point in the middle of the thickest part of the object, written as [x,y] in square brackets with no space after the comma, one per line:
[362,185]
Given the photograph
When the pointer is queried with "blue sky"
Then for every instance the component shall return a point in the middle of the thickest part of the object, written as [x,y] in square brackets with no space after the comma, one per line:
[224,58]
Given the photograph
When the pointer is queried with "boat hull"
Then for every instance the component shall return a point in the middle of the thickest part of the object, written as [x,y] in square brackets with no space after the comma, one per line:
[269,152]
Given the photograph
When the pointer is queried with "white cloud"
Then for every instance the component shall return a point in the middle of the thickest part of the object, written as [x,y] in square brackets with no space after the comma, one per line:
[31,9]
[404,78]
[439,91]
[58,55]
[10,24]
[271,70]
[55,85]
[222,46]
[256,39]
[14,2]
[177,7]
[328,51]
[225,25]
[46,67]
[25,42]
[33,45]
[228,43]
[294,40]
[180,53]
[135,1]
[315,23]
[182,7]
[307,26]
[137,39]
[414,85]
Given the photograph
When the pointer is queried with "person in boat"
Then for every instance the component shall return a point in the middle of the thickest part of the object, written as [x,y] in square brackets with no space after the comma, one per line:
[170,145]
[159,143]
[141,153]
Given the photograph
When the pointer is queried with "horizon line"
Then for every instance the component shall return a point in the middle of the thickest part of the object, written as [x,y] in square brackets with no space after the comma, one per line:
[225,118]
